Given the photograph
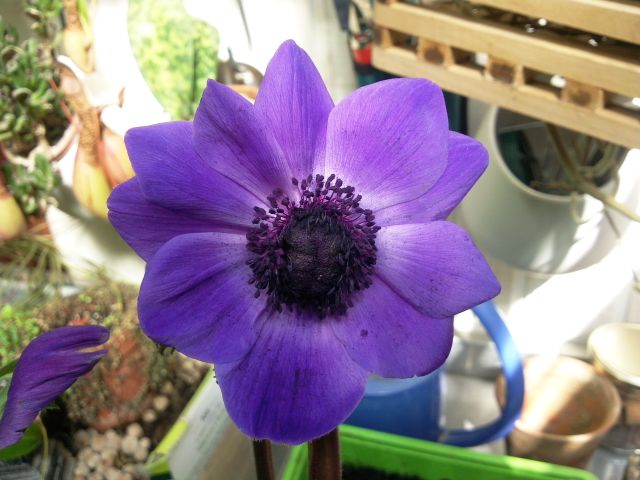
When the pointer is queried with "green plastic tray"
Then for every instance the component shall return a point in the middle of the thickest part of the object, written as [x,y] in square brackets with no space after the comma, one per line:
[428,460]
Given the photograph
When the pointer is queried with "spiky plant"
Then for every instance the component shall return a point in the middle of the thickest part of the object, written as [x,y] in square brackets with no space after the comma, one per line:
[33,116]
[31,112]
[134,369]
[32,185]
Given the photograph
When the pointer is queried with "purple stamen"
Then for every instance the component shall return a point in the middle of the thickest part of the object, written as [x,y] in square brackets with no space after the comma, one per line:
[313,254]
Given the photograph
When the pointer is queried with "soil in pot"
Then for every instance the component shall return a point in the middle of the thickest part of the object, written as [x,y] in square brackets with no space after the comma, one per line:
[350,472]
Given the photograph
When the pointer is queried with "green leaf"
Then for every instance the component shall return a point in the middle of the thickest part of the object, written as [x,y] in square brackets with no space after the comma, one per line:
[21,92]
[5,382]
[85,18]
[8,368]
[31,440]
[166,53]
[21,123]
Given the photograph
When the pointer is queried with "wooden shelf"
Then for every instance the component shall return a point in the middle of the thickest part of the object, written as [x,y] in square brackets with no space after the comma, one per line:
[445,48]
[541,103]
[612,18]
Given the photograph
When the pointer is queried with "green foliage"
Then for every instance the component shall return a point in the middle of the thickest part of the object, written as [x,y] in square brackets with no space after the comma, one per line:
[5,381]
[29,101]
[32,189]
[5,371]
[34,262]
[32,436]
[205,51]
[17,329]
[83,12]
[31,440]
[45,15]
[176,53]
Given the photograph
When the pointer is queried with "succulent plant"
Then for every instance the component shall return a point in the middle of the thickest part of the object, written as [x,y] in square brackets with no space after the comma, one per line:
[45,15]
[17,329]
[32,112]
[32,187]
[30,104]
[120,390]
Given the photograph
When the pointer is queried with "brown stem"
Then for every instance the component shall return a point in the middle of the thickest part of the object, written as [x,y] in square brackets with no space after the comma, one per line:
[324,457]
[263,459]
[71,14]
[4,192]
[63,105]
[45,448]
[88,115]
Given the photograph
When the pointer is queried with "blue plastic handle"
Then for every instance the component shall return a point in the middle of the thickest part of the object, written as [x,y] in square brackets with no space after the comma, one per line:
[512,368]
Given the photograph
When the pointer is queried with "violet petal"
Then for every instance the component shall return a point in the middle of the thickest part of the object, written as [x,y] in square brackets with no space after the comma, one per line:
[295,103]
[467,160]
[47,367]
[146,226]
[195,297]
[386,335]
[171,174]
[435,266]
[389,140]
[230,137]
[297,383]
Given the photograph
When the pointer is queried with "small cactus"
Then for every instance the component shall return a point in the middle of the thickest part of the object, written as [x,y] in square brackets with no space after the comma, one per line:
[122,387]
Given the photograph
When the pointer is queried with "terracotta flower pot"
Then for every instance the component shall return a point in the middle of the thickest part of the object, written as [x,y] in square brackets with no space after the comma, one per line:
[614,348]
[568,408]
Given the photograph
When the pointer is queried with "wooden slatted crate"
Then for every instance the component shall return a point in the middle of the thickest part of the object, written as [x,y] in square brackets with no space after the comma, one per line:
[593,90]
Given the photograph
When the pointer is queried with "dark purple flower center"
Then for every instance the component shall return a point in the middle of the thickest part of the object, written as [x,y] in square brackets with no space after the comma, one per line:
[314,254]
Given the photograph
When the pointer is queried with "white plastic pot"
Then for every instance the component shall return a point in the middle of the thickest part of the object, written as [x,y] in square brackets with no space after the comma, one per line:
[529,229]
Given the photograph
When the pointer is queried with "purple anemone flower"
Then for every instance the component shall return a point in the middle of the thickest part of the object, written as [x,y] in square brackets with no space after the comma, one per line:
[300,246]
[47,367]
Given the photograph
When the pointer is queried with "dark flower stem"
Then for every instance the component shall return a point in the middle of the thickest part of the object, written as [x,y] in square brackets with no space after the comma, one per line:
[263,459]
[324,457]
[44,468]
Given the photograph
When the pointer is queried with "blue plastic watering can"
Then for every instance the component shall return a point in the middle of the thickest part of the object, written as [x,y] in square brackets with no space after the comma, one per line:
[411,406]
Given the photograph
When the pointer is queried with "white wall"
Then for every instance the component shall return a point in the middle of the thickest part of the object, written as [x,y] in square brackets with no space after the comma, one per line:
[313,24]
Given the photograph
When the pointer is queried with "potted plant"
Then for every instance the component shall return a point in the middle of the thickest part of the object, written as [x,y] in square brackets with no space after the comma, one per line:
[113,417]
[37,132]
[35,123]
[120,93]
[100,162]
